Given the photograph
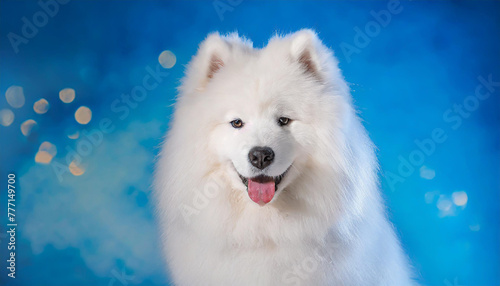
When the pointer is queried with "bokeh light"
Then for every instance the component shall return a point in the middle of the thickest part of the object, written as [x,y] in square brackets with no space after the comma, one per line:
[45,153]
[41,106]
[67,95]
[167,59]
[27,126]
[15,96]
[460,198]
[74,135]
[427,173]
[444,204]
[83,115]
[49,147]
[6,117]
[43,157]
[76,168]
[475,227]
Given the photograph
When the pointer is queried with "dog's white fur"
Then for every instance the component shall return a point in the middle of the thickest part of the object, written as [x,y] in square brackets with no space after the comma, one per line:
[326,225]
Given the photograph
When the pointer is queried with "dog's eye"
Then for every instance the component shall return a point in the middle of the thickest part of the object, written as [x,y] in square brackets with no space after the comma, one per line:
[282,121]
[237,123]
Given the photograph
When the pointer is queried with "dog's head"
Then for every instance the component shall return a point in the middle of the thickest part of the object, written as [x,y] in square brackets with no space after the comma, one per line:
[266,112]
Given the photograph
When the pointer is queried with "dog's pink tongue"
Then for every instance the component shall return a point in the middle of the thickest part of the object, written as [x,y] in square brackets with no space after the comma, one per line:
[261,193]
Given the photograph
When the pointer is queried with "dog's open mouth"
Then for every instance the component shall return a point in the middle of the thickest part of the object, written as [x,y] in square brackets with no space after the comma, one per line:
[261,189]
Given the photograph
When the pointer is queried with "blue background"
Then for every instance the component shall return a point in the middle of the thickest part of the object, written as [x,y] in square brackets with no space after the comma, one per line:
[98,228]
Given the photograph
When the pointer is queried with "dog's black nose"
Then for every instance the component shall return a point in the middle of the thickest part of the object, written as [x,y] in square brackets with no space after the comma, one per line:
[261,157]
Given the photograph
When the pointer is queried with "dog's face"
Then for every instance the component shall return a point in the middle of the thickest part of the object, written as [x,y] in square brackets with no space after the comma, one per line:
[263,108]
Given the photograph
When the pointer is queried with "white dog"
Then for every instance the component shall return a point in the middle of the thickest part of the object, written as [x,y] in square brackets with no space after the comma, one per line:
[267,176]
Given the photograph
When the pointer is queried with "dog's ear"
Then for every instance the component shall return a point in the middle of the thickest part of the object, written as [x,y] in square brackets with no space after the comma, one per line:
[213,54]
[306,49]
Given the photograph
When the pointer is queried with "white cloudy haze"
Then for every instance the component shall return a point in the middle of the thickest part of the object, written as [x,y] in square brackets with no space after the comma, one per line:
[98,212]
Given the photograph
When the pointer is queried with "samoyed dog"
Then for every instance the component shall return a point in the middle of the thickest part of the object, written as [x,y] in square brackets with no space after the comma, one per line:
[267,176]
